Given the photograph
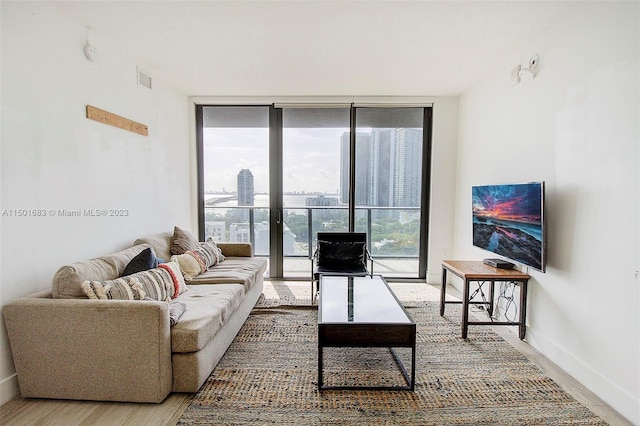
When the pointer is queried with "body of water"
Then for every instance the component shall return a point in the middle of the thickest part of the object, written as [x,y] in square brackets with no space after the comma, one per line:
[533,229]
[262,200]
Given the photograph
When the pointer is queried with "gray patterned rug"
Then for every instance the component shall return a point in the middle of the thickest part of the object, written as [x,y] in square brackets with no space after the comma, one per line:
[269,376]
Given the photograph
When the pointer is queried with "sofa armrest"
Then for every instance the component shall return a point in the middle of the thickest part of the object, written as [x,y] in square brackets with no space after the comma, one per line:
[236,249]
[103,350]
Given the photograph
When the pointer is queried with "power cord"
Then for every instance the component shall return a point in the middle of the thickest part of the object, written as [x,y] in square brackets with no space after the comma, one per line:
[479,307]
[507,295]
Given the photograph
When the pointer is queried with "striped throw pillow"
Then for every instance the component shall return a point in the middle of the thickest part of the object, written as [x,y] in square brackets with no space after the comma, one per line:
[155,284]
[179,286]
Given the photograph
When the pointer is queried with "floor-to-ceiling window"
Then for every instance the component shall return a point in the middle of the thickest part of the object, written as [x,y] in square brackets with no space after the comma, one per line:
[234,175]
[388,170]
[311,180]
[275,176]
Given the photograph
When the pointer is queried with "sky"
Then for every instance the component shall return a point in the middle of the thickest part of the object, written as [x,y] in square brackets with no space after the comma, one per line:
[515,202]
[311,158]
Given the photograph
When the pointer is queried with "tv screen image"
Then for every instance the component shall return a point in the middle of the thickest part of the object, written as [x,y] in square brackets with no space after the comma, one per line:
[509,220]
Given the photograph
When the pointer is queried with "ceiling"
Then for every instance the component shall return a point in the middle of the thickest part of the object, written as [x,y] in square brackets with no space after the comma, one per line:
[319,48]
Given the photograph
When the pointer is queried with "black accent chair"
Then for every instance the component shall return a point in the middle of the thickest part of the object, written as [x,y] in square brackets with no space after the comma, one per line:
[340,253]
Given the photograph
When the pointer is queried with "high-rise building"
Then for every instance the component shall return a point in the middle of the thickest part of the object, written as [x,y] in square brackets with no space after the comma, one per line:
[383,167]
[388,169]
[215,230]
[364,167]
[344,168]
[245,188]
[408,171]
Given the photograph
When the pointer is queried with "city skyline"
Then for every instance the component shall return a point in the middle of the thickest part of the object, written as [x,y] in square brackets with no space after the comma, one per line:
[388,163]
[249,149]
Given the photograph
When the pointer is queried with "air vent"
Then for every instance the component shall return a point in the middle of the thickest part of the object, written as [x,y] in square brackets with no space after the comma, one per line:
[144,79]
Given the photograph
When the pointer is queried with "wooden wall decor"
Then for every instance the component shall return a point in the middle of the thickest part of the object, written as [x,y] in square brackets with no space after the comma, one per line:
[111,119]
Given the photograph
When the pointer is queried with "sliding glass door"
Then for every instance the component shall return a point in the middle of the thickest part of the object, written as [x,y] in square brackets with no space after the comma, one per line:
[388,186]
[312,166]
[234,175]
[276,176]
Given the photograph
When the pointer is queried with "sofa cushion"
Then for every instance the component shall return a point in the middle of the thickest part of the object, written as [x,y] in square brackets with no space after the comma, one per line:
[240,270]
[160,242]
[68,280]
[208,307]
[182,240]
[144,261]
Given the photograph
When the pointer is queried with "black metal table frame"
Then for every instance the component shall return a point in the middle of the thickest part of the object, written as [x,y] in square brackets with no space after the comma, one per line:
[368,335]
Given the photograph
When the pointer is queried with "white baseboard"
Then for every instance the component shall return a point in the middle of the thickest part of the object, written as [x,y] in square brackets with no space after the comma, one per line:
[613,395]
[9,389]
[617,398]
[626,404]
[433,278]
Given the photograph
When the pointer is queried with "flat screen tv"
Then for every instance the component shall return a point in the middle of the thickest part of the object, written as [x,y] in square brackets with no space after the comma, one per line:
[508,220]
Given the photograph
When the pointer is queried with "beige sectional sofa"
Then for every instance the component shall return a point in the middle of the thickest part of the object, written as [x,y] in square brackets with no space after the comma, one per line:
[66,346]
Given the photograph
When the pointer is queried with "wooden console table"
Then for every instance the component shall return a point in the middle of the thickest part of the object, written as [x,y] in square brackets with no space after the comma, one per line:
[477,271]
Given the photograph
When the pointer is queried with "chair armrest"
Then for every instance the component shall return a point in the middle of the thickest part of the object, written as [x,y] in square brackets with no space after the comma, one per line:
[99,350]
[368,255]
[236,249]
[314,258]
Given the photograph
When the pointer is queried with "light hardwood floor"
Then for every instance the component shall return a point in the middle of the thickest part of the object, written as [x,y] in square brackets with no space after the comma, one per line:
[21,411]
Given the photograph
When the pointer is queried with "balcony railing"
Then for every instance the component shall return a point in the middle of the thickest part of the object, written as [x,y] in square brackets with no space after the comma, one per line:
[393,232]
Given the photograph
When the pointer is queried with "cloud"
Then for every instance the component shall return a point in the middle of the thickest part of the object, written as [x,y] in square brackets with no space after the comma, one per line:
[311,158]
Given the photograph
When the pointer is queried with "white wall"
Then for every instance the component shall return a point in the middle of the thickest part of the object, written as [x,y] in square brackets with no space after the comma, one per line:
[574,126]
[54,158]
[443,185]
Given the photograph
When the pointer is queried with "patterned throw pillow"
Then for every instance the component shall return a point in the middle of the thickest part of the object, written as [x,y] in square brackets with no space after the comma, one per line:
[211,246]
[118,289]
[201,257]
[156,284]
[176,276]
[189,265]
[182,240]
[209,253]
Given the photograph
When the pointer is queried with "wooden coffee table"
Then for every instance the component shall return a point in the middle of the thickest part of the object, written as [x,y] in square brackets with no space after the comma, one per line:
[363,312]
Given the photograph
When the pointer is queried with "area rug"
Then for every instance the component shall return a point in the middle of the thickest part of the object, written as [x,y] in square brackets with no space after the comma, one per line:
[269,376]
